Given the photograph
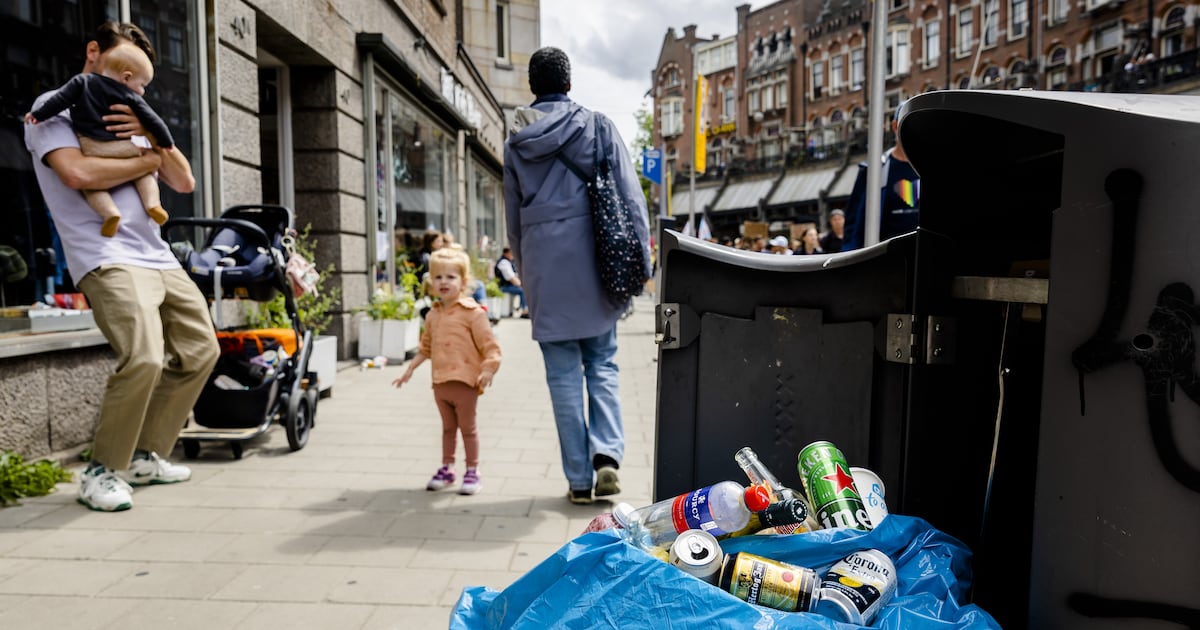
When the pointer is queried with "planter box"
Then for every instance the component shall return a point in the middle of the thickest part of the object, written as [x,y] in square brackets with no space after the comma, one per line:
[500,306]
[323,360]
[391,338]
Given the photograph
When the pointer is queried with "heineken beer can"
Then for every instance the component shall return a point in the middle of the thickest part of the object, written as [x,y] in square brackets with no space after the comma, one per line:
[830,487]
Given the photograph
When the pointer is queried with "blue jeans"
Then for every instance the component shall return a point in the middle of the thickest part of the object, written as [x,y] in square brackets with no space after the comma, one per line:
[600,432]
[512,289]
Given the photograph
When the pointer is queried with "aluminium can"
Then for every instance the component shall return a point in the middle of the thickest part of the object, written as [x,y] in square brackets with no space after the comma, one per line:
[857,587]
[830,487]
[697,552]
[765,582]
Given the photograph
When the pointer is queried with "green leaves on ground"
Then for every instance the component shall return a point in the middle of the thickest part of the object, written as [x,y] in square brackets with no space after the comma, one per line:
[18,479]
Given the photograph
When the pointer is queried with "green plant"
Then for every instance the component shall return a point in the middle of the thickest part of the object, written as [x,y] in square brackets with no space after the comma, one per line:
[492,288]
[316,311]
[18,479]
[397,305]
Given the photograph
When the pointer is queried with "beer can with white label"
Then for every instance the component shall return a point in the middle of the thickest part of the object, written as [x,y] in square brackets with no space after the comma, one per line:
[857,587]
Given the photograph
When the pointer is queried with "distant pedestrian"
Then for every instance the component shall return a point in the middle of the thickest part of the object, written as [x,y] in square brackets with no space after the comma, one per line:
[509,280]
[833,240]
[458,340]
[549,222]
[809,243]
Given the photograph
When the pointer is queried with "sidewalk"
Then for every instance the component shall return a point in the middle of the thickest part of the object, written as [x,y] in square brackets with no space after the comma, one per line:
[341,534]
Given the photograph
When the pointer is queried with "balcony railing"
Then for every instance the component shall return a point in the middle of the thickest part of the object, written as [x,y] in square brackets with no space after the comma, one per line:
[1146,77]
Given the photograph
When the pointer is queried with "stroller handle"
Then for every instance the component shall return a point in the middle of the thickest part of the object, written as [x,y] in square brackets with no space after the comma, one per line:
[240,225]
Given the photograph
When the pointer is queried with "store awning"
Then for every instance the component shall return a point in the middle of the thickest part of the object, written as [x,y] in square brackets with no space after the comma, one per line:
[802,186]
[681,200]
[743,195]
[844,183]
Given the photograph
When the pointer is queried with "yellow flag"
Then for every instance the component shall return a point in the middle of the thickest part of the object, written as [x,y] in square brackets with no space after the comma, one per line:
[700,137]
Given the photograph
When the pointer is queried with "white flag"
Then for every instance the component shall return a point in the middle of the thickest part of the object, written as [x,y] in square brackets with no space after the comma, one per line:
[704,232]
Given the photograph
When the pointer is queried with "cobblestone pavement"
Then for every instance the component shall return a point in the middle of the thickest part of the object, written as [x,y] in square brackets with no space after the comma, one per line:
[341,534]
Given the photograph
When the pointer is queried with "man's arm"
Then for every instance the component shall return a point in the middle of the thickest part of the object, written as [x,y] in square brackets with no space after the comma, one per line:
[81,172]
[176,171]
[512,207]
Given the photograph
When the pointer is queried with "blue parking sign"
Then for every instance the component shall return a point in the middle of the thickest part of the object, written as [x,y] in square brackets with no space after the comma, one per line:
[652,165]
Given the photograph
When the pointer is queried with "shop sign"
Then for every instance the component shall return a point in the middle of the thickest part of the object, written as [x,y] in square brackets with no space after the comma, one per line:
[460,99]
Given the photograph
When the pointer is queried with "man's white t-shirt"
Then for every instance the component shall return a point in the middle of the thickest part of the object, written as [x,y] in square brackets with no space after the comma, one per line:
[505,267]
[137,241]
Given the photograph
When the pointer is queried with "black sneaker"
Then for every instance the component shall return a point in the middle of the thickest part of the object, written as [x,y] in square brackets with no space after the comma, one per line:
[607,482]
[580,497]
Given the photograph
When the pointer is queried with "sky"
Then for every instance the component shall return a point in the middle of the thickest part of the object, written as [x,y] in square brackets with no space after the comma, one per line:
[614,44]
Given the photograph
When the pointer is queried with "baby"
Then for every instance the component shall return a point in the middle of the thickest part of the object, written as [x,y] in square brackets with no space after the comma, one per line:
[126,73]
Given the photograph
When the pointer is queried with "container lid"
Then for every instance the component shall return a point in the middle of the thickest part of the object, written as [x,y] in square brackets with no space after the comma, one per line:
[757,498]
[623,514]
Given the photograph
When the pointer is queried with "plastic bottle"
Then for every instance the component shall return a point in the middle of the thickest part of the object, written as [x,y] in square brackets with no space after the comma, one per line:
[759,474]
[717,509]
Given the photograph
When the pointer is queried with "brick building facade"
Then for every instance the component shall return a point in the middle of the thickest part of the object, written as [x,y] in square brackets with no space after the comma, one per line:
[800,74]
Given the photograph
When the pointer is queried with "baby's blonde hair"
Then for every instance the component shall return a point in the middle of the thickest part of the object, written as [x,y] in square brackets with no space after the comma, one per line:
[128,58]
[452,257]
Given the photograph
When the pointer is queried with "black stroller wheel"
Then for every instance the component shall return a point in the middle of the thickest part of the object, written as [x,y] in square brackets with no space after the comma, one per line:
[191,449]
[299,422]
[236,447]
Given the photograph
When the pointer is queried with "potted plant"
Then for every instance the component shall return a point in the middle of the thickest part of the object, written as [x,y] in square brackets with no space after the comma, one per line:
[391,328]
[315,311]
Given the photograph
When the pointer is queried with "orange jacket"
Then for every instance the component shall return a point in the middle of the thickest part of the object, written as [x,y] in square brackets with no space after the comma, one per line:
[458,340]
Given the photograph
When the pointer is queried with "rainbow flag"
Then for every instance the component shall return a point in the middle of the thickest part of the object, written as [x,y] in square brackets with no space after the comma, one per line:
[908,190]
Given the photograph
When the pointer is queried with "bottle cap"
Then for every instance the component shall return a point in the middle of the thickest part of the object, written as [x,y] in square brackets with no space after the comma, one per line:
[623,515]
[757,498]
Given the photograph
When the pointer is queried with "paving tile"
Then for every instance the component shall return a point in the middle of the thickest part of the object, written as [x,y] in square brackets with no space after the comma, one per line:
[173,580]
[392,585]
[463,554]
[264,583]
[268,548]
[510,529]
[65,577]
[348,523]
[409,500]
[435,526]
[172,547]
[76,613]
[251,521]
[18,515]
[531,554]
[323,616]
[76,544]
[14,538]
[180,614]
[496,580]
[408,617]
[366,551]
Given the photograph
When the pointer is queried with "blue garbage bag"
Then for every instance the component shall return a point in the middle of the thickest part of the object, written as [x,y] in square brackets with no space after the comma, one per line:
[599,581]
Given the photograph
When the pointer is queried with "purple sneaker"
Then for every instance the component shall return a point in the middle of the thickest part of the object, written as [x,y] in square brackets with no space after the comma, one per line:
[471,482]
[442,478]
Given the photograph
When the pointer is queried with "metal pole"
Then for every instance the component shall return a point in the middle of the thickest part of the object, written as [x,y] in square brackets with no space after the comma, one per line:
[875,125]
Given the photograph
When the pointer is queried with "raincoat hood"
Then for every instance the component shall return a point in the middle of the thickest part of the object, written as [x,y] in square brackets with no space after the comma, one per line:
[545,127]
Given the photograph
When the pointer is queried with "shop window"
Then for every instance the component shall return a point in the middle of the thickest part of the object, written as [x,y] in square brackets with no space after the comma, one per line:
[45,43]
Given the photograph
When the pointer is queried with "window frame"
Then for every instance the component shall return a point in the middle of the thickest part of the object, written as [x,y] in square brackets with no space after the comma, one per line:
[894,54]
[816,79]
[936,38]
[1017,18]
[964,42]
[837,73]
[858,60]
[671,116]
[994,32]
[1058,11]
[503,18]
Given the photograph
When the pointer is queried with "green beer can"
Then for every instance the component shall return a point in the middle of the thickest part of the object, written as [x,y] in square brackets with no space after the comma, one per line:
[830,487]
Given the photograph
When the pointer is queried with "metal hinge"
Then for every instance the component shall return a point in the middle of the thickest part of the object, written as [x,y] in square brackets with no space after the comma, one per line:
[675,325]
[914,339]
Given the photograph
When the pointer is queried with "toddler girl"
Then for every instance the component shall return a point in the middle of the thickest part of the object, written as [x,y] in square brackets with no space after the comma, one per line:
[458,339]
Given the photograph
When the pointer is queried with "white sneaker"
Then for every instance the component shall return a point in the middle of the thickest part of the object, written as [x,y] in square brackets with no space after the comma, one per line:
[103,491]
[154,470]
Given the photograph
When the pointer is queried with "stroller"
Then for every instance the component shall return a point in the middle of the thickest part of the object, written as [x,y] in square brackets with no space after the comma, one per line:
[262,375]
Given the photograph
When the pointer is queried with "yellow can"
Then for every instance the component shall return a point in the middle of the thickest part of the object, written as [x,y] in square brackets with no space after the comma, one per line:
[765,582]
